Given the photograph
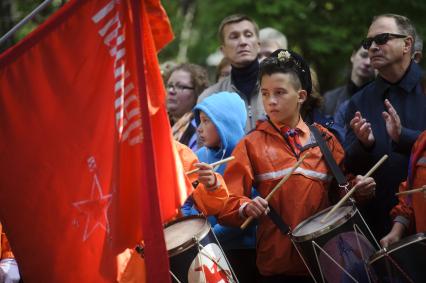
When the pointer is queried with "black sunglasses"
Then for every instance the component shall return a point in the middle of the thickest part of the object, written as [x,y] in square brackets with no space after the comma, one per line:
[380,39]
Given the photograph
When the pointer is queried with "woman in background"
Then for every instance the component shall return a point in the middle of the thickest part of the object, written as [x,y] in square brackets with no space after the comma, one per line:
[183,84]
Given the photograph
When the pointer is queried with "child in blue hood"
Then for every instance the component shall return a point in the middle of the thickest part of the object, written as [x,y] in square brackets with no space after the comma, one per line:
[221,121]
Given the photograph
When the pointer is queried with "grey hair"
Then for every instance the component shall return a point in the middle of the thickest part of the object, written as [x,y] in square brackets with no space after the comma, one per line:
[272,34]
[404,25]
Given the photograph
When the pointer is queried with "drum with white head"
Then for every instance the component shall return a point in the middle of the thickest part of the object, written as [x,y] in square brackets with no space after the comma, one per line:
[195,254]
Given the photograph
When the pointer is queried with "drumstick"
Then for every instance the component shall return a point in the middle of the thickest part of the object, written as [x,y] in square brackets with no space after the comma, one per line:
[412,191]
[348,194]
[212,164]
[282,181]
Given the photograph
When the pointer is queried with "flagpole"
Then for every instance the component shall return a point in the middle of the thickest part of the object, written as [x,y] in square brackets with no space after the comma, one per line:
[29,17]
[155,247]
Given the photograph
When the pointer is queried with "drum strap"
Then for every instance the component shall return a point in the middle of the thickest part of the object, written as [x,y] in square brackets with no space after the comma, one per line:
[337,172]
[276,218]
[278,221]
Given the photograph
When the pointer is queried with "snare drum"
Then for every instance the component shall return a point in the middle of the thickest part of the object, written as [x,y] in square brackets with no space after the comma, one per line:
[403,261]
[194,252]
[337,250]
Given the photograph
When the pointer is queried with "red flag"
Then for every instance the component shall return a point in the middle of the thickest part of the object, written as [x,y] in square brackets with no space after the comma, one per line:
[87,166]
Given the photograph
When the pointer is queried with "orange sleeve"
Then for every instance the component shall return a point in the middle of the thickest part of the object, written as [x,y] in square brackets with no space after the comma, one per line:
[6,251]
[403,208]
[239,178]
[209,202]
[188,159]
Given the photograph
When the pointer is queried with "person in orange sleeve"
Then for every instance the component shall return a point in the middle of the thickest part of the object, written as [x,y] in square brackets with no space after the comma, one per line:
[265,156]
[210,196]
[411,208]
[211,192]
[9,272]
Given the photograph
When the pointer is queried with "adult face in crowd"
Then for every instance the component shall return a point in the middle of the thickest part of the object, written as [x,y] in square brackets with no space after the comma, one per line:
[180,94]
[239,42]
[184,83]
[362,71]
[389,54]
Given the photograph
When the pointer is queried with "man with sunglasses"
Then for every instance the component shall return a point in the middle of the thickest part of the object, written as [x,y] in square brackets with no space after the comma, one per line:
[386,116]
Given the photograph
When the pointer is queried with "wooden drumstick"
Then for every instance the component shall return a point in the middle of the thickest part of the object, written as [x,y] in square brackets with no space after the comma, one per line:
[422,189]
[212,164]
[282,181]
[350,193]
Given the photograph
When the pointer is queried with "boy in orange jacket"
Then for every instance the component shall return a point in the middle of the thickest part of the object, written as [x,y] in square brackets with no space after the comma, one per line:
[266,155]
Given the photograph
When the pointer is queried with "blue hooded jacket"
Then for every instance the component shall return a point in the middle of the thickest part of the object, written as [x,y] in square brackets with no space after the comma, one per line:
[227,112]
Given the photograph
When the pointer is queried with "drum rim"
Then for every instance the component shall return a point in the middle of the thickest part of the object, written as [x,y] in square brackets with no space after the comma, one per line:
[327,229]
[189,243]
[397,246]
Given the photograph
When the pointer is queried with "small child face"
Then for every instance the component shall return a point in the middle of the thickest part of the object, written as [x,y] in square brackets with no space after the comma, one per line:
[207,131]
[280,98]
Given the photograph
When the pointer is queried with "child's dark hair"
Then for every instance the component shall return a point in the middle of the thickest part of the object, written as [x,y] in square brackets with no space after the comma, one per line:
[288,62]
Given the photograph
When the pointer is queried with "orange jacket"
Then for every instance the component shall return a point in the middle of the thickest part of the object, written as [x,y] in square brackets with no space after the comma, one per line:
[414,206]
[262,159]
[208,202]
[6,251]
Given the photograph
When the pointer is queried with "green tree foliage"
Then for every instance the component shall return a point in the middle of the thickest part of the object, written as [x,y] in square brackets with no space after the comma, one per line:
[13,11]
[324,32]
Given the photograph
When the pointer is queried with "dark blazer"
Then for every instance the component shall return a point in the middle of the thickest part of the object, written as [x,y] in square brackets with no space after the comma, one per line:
[408,99]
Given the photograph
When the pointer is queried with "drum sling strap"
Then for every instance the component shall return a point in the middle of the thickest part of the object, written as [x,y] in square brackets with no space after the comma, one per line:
[337,172]
[276,219]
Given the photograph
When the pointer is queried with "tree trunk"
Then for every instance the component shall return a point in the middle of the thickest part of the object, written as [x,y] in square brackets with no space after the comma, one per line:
[185,35]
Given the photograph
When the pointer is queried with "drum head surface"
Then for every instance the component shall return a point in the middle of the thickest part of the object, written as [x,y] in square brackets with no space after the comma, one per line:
[183,231]
[313,224]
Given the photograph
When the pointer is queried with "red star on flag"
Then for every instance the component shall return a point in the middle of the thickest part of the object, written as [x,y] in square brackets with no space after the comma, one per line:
[95,209]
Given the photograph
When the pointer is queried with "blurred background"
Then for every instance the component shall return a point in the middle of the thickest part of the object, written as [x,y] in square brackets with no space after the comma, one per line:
[324,32]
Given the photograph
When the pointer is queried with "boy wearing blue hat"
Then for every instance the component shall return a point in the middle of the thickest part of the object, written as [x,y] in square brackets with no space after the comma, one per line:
[221,120]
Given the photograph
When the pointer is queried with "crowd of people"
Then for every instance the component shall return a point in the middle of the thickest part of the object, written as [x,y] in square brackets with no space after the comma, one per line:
[264,110]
